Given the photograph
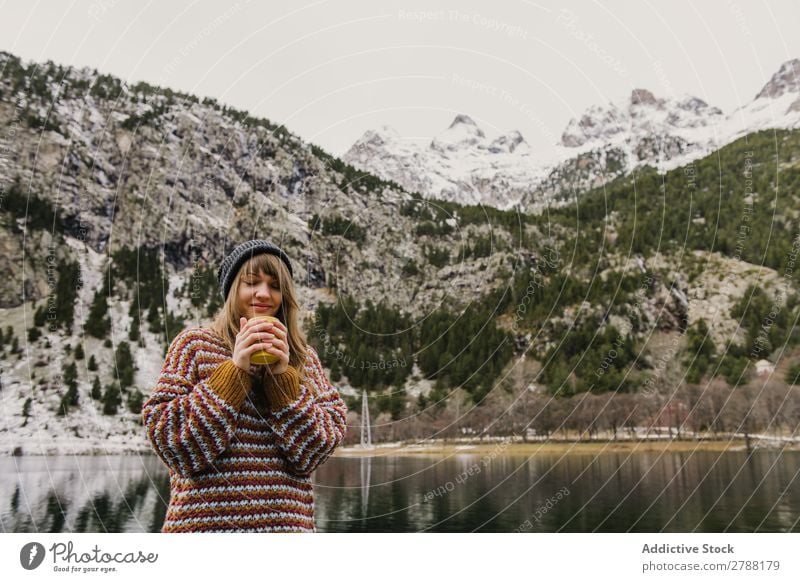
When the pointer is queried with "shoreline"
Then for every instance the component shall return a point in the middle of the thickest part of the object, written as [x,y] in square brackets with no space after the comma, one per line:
[496,447]
[559,447]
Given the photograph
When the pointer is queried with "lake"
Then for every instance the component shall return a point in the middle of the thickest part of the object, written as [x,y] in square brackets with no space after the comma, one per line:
[701,491]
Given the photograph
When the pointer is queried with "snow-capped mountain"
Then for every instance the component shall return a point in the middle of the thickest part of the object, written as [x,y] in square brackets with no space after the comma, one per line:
[607,142]
[461,164]
[786,80]
[641,115]
[776,105]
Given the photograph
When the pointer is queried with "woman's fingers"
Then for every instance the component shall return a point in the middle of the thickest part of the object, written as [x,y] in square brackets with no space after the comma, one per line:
[275,327]
[249,332]
[273,342]
[261,326]
[256,338]
[263,338]
[279,325]
[259,347]
[280,332]
[280,344]
[265,332]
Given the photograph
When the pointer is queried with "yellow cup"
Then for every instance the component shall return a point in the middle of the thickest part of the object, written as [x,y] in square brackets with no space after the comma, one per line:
[261,357]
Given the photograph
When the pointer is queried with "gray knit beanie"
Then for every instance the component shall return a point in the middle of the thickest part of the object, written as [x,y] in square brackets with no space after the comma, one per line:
[240,255]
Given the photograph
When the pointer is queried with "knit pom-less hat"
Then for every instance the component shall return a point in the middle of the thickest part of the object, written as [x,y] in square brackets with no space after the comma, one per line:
[240,255]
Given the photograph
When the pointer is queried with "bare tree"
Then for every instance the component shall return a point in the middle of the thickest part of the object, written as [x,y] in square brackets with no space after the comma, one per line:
[741,411]
[614,409]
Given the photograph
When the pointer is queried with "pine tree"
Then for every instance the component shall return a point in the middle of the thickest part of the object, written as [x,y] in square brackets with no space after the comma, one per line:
[26,411]
[397,404]
[214,305]
[399,377]
[135,401]
[97,389]
[701,349]
[79,355]
[336,372]
[39,317]
[153,318]
[69,399]
[111,399]
[70,375]
[133,333]
[69,281]
[793,373]
[92,365]
[172,327]
[98,324]
[125,365]
[133,311]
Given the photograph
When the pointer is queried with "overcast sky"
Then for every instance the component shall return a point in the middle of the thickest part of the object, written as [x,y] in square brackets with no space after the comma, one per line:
[329,70]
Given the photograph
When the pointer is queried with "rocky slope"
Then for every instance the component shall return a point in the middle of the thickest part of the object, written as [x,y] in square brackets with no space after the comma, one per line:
[92,167]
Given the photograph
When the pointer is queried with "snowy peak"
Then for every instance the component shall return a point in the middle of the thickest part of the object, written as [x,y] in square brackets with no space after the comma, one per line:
[644,98]
[692,112]
[509,143]
[466,120]
[604,142]
[461,163]
[462,133]
[643,114]
[695,105]
[597,123]
[776,105]
[385,133]
[380,137]
[786,80]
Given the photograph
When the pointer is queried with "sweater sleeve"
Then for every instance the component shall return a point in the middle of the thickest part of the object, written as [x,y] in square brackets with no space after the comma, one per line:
[190,422]
[311,425]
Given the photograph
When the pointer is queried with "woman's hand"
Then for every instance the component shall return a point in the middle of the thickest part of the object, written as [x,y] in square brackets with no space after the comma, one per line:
[250,339]
[280,347]
[261,335]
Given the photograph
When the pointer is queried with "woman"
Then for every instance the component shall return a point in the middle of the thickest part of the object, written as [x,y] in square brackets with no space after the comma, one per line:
[241,441]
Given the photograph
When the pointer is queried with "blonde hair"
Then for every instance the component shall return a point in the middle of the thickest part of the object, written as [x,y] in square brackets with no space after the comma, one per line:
[226,323]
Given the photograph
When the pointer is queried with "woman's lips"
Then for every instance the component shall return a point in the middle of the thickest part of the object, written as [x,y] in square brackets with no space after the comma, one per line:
[263,307]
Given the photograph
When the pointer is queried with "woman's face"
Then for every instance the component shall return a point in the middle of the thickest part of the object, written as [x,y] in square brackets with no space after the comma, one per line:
[259,294]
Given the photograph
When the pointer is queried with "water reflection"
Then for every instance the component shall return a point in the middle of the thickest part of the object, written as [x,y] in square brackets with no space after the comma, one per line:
[83,494]
[676,492]
[366,470]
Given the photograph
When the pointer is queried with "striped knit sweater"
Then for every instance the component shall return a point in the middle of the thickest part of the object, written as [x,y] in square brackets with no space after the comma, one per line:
[234,465]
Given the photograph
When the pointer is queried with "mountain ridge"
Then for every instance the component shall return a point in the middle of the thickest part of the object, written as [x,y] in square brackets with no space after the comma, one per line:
[665,132]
